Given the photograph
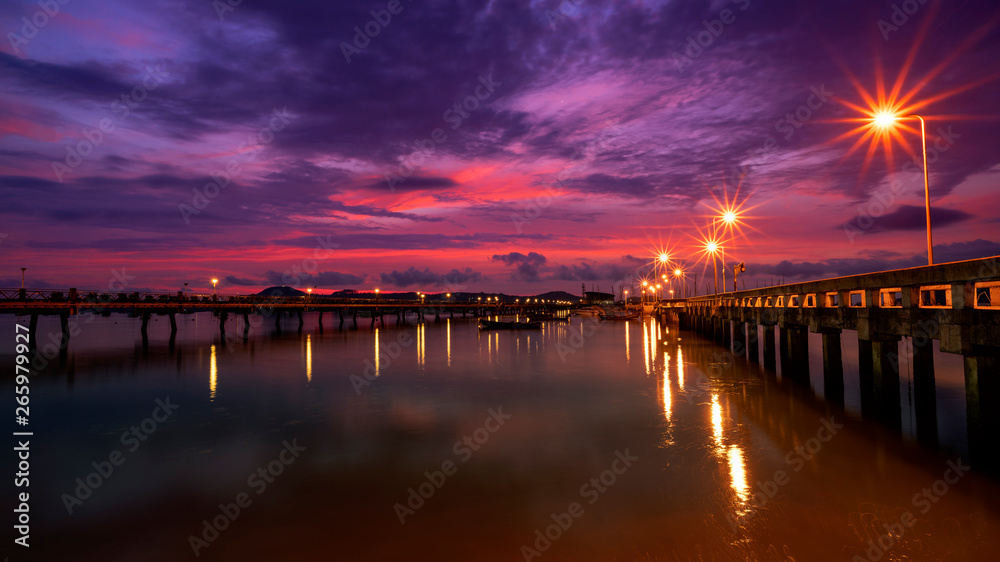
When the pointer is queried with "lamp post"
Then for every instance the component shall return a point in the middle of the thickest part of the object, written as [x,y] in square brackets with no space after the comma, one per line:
[215,283]
[886,120]
[185,290]
[723,248]
[22,277]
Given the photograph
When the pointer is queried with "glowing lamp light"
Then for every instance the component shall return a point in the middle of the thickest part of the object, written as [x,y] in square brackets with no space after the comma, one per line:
[664,257]
[885,119]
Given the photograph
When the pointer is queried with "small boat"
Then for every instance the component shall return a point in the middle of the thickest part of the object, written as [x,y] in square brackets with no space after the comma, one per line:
[621,317]
[589,311]
[547,317]
[497,325]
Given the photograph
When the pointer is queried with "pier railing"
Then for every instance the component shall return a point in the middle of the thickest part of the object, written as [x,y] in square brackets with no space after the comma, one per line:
[959,299]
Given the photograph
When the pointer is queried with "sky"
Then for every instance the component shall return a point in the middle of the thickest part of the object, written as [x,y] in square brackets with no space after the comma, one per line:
[515,146]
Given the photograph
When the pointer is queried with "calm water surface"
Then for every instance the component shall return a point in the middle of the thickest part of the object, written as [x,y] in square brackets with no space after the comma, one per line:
[645,443]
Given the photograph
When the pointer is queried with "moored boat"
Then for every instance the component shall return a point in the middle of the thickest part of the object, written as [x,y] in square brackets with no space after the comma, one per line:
[621,317]
[498,325]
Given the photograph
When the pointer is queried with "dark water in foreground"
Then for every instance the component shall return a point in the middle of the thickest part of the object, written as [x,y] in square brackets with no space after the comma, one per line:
[628,435]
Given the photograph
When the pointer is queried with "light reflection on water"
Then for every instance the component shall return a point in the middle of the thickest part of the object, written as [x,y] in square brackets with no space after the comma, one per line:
[213,375]
[702,449]
[309,358]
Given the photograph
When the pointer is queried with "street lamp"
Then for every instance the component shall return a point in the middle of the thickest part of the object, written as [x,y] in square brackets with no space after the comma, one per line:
[215,282]
[22,277]
[185,290]
[885,121]
[712,247]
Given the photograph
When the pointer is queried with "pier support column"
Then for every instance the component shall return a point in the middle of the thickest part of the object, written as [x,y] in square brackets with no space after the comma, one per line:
[783,359]
[769,362]
[299,313]
[885,359]
[32,330]
[173,324]
[277,320]
[982,391]
[727,333]
[753,353]
[321,321]
[246,322]
[866,378]
[64,340]
[223,316]
[798,354]
[143,331]
[833,367]
[740,339]
[924,393]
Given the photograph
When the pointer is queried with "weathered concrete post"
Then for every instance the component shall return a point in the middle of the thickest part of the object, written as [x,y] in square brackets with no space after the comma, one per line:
[740,339]
[727,331]
[922,363]
[173,324]
[885,366]
[798,353]
[783,356]
[769,361]
[32,331]
[866,377]
[833,366]
[753,353]
[982,389]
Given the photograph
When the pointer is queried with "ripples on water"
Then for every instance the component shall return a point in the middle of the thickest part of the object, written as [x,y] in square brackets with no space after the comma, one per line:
[731,463]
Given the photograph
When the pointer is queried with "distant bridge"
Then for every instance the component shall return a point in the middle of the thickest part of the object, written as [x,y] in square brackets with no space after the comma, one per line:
[143,305]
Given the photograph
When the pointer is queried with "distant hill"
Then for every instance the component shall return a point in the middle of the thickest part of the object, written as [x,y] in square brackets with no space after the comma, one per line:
[559,296]
[281,291]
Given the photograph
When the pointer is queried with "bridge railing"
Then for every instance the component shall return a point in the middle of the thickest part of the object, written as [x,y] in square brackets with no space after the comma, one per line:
[968,284]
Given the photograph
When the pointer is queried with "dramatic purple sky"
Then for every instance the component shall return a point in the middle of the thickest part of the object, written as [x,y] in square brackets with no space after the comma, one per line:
[602,132]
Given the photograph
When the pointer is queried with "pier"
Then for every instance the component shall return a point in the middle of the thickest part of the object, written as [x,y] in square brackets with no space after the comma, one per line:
[956,304]
[65,304]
